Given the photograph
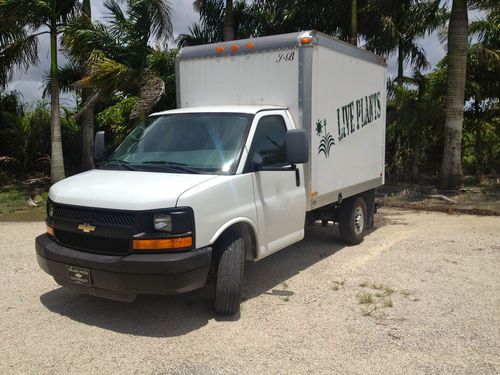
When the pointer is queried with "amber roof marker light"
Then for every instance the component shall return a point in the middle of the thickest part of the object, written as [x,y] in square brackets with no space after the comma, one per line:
[306,40]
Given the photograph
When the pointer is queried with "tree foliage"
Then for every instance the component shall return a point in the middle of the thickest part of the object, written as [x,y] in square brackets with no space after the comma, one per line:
[127,86]
[112,68]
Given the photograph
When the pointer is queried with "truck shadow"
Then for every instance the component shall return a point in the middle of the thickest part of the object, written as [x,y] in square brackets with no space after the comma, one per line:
[170,316]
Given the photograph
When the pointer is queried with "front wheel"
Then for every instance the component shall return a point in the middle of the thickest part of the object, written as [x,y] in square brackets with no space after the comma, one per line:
[353,220]
[229,274]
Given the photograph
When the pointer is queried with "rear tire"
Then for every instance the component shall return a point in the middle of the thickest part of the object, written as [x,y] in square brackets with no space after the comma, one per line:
[229,278]
[353,221]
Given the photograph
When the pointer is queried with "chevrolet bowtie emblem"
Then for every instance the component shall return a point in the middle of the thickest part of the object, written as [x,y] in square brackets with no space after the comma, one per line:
[86,227]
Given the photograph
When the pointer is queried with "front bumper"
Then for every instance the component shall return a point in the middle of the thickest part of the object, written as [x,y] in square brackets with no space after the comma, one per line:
[122,277]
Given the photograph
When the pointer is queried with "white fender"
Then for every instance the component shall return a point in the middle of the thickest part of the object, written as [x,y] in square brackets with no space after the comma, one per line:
[230,223]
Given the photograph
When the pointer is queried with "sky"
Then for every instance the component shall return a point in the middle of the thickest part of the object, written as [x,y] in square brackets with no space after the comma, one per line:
[31,82]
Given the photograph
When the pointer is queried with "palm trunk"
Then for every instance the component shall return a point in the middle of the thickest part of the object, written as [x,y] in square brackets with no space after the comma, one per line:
[417,136]
[451,167]
[401,61]
[479,153]
[479,142]
[57,160]
[87,121]
[354,23]
[228,31]
[86,8]
[87,117]
[415,158]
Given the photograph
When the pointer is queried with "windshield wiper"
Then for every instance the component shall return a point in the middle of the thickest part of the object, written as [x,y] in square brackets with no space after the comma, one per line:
[121,163]
[172,165]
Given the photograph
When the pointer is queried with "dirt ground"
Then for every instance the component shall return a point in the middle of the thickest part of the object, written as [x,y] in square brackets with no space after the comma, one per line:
[421,295]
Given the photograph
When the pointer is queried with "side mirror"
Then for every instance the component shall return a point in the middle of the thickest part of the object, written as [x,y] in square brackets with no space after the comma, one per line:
[256,162]
[99,146]
[296,146]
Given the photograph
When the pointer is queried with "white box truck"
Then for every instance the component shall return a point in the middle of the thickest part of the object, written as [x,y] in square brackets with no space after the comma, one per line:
[270,134]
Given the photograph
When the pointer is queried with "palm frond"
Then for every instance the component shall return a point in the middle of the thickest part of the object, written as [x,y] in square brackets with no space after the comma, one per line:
[67,75]
[197,36]
[82,39]
[160,12]
[65,9]
[416,55]
[160,61]
[34,13]
[106,72]
[20,52]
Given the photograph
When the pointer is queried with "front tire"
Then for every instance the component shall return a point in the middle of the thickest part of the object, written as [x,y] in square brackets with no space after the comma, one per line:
[353,221]
[230,274]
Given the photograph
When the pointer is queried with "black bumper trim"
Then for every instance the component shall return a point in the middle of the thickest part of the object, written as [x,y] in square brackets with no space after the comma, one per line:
[135,273]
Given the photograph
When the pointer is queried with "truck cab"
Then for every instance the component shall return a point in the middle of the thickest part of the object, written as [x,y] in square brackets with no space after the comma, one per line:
[169,199]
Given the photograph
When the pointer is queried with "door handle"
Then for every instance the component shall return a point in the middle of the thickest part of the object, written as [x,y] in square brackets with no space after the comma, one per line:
[297,177]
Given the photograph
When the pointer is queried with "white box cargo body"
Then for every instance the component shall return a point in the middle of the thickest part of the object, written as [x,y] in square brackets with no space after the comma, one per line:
[333,90]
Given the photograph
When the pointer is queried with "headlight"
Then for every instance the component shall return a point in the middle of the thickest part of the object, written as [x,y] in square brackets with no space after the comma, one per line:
[162,222]
[50,209]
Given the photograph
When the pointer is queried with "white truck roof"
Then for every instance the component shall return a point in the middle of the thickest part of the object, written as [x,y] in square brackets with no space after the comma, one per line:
[251,109]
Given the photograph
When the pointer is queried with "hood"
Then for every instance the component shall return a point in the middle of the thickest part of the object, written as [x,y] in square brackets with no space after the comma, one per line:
[124,190]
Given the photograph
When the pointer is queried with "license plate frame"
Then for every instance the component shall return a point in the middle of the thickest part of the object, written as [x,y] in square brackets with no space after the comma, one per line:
[79,275]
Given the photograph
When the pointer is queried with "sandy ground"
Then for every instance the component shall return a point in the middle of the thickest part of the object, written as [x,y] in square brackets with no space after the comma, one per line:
[431,281]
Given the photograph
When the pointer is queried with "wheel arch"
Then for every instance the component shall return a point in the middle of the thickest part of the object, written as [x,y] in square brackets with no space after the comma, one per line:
[244,227]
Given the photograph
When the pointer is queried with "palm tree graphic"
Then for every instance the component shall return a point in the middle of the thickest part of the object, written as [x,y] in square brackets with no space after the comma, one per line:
[327,140]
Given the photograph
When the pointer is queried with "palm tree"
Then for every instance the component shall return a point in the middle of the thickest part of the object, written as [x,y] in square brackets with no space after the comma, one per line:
[111,66]
[395,26]
[451,166]
[18,46]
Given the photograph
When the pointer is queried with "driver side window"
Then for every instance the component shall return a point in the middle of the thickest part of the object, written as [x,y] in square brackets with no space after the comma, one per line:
[269,141]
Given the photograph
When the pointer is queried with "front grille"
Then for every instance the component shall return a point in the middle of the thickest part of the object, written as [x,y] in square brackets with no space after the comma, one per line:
[93,216]
[96,244]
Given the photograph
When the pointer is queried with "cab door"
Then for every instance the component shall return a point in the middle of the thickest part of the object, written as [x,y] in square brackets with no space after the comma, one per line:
[279,189]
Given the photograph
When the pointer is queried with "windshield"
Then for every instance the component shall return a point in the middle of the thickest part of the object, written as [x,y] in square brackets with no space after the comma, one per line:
[186,143]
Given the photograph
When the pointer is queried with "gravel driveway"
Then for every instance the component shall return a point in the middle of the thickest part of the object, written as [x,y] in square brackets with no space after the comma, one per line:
[420,295]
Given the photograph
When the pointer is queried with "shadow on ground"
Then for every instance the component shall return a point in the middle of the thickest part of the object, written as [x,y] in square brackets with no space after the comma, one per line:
[168,316]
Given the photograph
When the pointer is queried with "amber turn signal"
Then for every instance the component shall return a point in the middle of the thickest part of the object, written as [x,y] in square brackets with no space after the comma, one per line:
[50,231]
[162,244]
[219,49]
